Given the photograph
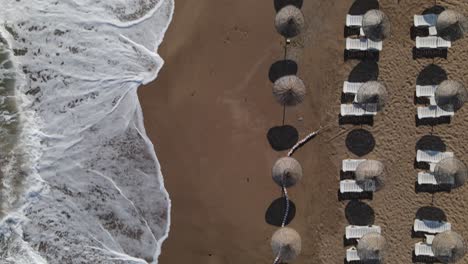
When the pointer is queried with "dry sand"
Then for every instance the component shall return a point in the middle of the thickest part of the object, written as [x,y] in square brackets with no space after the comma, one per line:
[211,106]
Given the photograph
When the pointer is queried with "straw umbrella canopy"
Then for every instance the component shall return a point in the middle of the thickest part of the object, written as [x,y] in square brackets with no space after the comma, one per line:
[451,95]
[448,247]
[451,170]
[451,25]
[289,90]
[287,243]
[371,247]
[372,92]
[289,21]
[371,170]
[287,171]
[376,25]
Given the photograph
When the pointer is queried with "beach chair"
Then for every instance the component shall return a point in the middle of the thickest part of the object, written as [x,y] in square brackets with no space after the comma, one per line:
[423,249]
[356,44]
[358,110]
[431,227]
[353,21]
[433,111]
[356,232]
[425,90]
[427,20]
[432,156]
[351,255]
[426,42]
[426,178]
[351,87]
[351,164]
[351,186]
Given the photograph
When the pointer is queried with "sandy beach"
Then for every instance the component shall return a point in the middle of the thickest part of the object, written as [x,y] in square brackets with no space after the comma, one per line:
[209,111]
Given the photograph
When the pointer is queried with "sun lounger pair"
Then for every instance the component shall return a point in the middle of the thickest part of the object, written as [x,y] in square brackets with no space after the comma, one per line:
[356,232]
[358,109]
[363,44]
[432,42]
[431,157]
[428,20]
[355,21]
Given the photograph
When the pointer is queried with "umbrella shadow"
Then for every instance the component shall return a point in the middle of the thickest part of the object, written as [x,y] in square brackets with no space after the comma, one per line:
[282,137]
[282,3]
[360,7]
[431,142]
[360,142]
[275,212]
[436,9]
[431,75]
[431,213]
[359,213]
[282,68]
[364,71]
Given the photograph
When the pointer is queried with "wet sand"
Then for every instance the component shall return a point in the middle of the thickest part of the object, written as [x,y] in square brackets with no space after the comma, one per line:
[210,109]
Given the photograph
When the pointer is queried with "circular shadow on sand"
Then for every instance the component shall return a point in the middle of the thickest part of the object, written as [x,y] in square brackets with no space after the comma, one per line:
[431,213]
[431,75]
[431,142]
[282,68]
[275,212]
[360,7]
[437,9]
[282,137]
[282,3]
[364,71]
[359,213]
[360,142]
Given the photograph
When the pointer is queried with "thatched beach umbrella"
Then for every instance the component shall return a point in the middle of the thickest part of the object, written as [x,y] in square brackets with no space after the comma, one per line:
[289,21]
[372,92]
[451,25]
[448,247]
[451,95]
[371,170]
[287,243]
[371,247]
[376,25]
[286,171]
[451,170]
[289,90]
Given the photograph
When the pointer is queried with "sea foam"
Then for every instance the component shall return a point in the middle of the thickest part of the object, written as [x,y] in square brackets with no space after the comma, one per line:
[80,181]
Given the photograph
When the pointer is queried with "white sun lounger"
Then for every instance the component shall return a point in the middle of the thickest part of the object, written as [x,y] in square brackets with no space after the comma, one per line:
[356,232]
[423,249]
[433,111]
[431,227]
[426,178]
[427,20]
[432,42]
[351,186]
[351,87]
[432,156]
[358,110]
[351,164]
[425,90]
[351,255]
[363,44]
[353,21]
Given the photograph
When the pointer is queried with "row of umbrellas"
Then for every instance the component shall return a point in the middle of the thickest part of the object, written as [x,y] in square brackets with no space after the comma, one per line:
[288,90]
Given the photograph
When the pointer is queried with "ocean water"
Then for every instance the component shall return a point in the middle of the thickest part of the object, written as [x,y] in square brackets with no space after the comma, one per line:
[80,181]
